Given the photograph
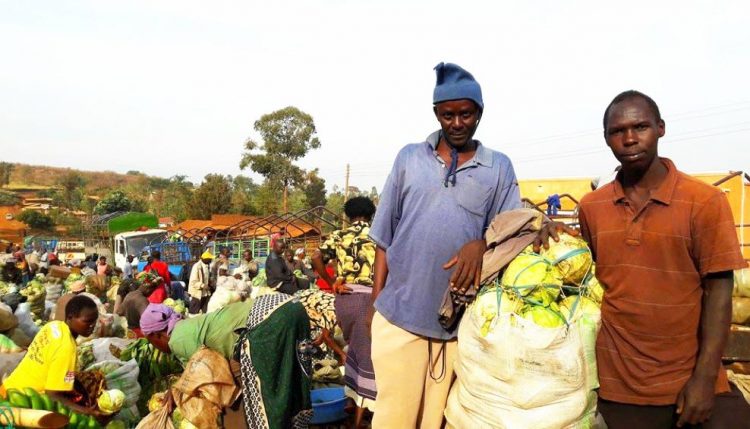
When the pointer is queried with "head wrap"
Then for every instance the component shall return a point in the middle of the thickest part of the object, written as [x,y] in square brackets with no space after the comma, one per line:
[158,317]
[207,255]
[300,251]
[274,238]
[77,286]
[455,83]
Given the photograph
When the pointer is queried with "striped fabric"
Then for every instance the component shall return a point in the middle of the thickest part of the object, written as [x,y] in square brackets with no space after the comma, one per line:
[652,262]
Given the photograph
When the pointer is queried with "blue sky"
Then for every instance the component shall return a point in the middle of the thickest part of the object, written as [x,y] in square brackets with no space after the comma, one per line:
[173,87]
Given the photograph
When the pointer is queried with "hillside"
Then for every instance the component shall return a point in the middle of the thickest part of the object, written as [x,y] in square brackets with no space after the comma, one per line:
[38,177]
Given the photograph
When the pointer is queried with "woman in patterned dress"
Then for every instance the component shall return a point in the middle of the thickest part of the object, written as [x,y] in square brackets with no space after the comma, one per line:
[275,377]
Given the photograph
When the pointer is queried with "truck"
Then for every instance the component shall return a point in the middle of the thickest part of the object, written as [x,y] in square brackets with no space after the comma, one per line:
[134,243]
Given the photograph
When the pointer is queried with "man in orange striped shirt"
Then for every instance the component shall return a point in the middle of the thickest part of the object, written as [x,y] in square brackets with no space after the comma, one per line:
[665,247]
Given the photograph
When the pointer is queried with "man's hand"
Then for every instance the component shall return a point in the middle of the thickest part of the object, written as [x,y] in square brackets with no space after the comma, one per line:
[552,230]
[696,400]
[468,263]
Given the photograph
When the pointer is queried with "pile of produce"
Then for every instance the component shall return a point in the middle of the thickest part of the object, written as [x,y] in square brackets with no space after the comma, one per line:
[177,305]
[54,288]
[154,368]
[97,285]
[30,399]
[88,385]
[741,297]
[551,288]
[36,294]
[73,277]
[85,356]
[6,288]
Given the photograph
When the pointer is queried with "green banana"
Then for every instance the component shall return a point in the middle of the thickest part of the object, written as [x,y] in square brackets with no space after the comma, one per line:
[48,403]
[18,399]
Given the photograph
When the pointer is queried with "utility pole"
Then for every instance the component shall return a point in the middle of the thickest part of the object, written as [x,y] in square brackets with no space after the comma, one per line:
[346,190]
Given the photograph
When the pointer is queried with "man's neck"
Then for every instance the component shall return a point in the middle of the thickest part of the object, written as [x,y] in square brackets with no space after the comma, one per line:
[649,179]
[469,147]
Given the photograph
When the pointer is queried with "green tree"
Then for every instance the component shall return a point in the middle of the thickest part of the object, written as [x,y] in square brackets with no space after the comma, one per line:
[213,196]
[243,193]
[287,135]
[315,190]
[72,185]
[115,201]
[266,199]
[6,169]
[335,202]
[8,198]
[36,220]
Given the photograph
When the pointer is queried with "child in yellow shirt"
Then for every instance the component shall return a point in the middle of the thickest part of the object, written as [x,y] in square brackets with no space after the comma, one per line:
[50,363]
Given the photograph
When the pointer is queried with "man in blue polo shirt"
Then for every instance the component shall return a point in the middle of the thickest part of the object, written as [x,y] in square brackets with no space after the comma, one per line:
[436,204]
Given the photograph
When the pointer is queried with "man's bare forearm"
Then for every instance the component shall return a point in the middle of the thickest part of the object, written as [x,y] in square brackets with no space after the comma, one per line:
[381,272]
[716,317]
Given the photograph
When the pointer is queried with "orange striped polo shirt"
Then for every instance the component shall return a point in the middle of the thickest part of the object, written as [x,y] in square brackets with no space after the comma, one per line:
[652,263]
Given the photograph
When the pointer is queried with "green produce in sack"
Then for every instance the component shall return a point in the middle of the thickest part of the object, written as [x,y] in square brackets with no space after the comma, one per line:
[529,270]
[492,301]
[546,317]
[572,256]
[592,288]
[572,306]
[742,283]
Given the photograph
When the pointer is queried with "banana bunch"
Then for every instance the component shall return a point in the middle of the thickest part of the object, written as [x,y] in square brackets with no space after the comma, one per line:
[29,398]
[152,363]
[85,356]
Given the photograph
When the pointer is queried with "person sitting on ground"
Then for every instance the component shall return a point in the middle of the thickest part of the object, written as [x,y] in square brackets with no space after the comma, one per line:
[50,364]
[135,304]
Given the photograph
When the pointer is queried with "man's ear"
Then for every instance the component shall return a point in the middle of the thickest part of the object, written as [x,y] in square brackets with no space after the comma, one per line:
[434,110]
[662,127]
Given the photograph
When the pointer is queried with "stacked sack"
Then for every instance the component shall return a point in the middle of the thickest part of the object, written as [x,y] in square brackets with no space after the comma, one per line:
[741,297]
[36,294]
[526,349]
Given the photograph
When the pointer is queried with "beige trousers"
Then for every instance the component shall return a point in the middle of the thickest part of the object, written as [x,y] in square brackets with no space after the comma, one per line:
[409,394]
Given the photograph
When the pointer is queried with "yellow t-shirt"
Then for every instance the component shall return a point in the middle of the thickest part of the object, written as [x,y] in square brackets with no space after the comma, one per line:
[50,363]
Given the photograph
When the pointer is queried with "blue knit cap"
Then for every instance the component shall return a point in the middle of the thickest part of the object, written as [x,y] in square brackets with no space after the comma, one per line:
[455,83]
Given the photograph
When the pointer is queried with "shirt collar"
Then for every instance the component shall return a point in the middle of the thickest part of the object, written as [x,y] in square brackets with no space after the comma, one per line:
[662,194]
[482,156]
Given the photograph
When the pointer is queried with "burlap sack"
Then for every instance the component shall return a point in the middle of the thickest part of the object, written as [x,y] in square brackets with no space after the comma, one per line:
[159,419]
[205,388]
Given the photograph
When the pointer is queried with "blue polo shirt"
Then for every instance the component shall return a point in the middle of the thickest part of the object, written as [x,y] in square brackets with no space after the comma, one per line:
[422,224]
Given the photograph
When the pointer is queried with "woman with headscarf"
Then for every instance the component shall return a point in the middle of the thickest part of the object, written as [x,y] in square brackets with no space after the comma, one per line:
[275,356]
